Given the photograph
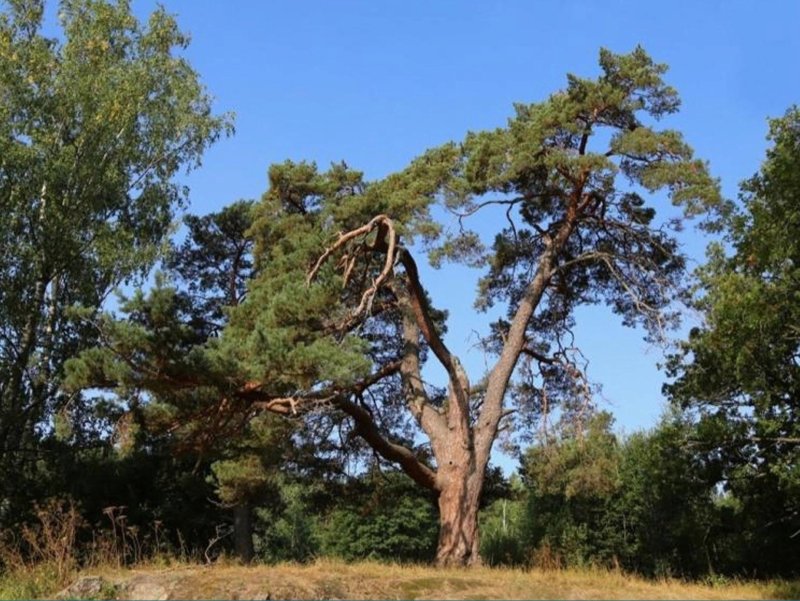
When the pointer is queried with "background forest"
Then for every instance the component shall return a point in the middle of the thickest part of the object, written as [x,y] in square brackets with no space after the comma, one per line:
[253,382]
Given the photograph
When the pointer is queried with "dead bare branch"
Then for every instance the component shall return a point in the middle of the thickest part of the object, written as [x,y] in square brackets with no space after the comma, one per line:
[386,240]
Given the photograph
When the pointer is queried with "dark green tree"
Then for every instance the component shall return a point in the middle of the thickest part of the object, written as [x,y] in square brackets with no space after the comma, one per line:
[666,504]
[94,124]
[212,265]
[246,474]
[210,270]
[382,516]
[178,409]
[739,372]
[572,479]
[648,503]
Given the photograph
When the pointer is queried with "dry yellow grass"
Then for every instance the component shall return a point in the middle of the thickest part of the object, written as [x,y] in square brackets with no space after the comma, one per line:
[335,580]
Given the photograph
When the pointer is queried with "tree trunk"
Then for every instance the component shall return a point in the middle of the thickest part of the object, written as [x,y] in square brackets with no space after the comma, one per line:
[458,520]
[243,533]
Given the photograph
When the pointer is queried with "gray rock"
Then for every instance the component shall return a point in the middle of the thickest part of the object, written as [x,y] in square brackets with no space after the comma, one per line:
[87,587]
[144,587]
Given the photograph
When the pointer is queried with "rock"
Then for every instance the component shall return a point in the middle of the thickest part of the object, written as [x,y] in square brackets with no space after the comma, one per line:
[87,587]
[144,587]
[140,586]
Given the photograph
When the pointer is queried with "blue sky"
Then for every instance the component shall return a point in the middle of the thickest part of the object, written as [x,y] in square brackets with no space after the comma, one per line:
[376,83]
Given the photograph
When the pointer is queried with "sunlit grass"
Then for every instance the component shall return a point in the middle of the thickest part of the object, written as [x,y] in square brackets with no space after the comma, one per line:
[326,579]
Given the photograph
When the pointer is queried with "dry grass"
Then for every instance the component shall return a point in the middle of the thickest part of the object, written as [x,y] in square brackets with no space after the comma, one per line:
[334,580]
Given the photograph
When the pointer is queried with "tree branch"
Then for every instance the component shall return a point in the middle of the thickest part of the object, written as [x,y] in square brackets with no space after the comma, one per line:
[368,430]
[428,417]
[365,424]
[500,375]
[386,239]
[420,308]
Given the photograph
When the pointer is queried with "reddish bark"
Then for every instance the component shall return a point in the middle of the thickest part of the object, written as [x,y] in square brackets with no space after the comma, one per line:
[458,520]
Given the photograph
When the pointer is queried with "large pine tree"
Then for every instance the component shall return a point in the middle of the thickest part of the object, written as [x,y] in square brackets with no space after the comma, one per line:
[338,321]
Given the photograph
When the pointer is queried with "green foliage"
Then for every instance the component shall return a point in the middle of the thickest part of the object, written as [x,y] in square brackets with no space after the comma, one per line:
[94,124]
[502,533]
[572,482]
[278,334]
[667,501]
[247,468]
[213,263]
[239,479]
[578,464]
[406,532]
[390,520]
[161,346]
[648,504]
[739,372]
[287,530]
[375,515]
[163,497]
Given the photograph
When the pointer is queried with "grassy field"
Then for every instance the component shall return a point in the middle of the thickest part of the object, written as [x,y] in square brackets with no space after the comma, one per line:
[333,580]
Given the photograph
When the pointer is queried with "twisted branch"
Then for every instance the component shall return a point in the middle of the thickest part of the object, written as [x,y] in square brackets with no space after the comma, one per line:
[385,240]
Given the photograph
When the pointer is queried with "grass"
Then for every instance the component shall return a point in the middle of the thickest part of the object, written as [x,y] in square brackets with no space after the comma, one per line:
[30,583]
[326,579]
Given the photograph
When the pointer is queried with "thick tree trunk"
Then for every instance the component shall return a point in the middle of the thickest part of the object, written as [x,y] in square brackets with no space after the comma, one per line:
[458,520]
[243,533]
[460,476]
[462,453]
[461,435]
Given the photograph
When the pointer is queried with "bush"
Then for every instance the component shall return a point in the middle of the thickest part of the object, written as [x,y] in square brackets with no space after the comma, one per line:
[404,531]
[501,531]
[381,516]
[288,531]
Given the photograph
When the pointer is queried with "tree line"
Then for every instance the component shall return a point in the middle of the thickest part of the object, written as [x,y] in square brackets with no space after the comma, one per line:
[264,392]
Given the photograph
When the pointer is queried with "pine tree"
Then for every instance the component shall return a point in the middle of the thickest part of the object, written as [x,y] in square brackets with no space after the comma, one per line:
[337,321]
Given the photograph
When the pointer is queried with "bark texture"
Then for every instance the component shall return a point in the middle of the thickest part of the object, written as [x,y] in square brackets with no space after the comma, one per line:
[458,520]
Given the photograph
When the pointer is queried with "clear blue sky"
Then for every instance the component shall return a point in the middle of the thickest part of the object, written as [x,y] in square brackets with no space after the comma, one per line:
[377,82]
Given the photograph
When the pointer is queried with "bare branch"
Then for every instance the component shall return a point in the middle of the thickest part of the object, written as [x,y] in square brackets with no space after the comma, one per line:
[461,215]
[386,240]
